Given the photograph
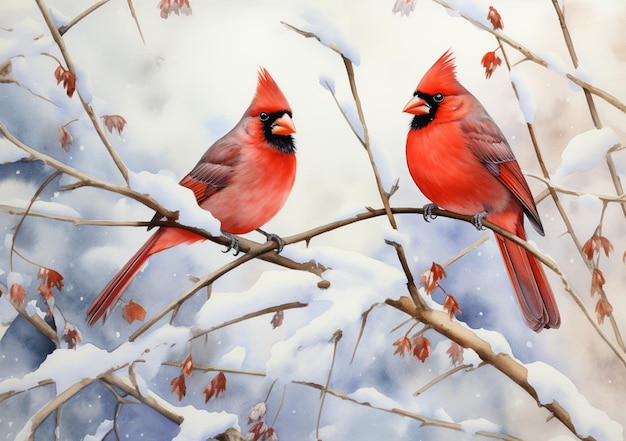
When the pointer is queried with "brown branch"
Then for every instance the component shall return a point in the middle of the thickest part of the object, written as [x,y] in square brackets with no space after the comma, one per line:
[134,15]
[425,421]
[58,39]
[66,27]
[455,331]
[205,368]
[338,334]
[384,195]
[531,56]
[272,309]
[443,376]
[35,421]
[162,407]
[86,179]
[617,183]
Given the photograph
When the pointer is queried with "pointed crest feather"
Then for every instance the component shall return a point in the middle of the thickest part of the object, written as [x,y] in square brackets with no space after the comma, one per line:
[268,98]
[441,77]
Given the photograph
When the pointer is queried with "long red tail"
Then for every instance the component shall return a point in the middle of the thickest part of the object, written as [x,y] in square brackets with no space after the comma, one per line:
[530,284]
[162,239]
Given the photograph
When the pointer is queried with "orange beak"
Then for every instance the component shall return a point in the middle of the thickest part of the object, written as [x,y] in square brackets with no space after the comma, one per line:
[417,106]
[283,126]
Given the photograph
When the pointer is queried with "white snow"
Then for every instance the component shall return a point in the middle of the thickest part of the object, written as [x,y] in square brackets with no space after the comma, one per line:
[198,424]
[374,397]
[551,385]
[52,208]
[174,197]
[526,101]
[104,427]
[10,153]
[271,289]
[331,29]
[13,278]
[83,84]
[586,151]
[24,40]
[498,343]
[58,17]
[328,83]
[474,425]
[234,358]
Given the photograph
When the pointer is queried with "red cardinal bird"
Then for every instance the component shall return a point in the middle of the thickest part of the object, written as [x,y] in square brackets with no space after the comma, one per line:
[243,179]
[461,161]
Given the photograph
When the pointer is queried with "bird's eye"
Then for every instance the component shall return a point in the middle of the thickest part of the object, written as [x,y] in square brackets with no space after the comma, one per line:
[438,98]
[264,116]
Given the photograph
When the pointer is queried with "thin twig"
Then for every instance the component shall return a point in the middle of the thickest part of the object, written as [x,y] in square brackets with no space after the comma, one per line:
[58,39]
[617,183]
[272,309]
[34,197]
[85,178]
[205,368]
[134,15]
[446,374]
[28,431]
[362,330]
[531,56]
[66,27]
[335,340]
[365,141]
[424,420]
[442,323]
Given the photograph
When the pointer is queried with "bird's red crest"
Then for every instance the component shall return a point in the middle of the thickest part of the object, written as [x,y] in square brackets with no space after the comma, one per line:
[441,77]
[268,98]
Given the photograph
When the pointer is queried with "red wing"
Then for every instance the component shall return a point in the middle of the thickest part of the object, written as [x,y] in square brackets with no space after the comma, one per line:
[493,151]
[212,172]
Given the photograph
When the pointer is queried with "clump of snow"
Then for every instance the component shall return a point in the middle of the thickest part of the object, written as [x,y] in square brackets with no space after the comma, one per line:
[526,102]
[560,67]
[52,208]
[83,84]
[27,38]
[471,8]
[348,211]
[174,197]
[58,17]
[374,397]
[351,114]
[9,153]
[327,83]
[586,151]
[392,235]
[472,426]
[384,164]
[356,283]
[234,358]
[271,289]
[331,32]
[555,62]
[13,278]
[497,341]
[551,385]
[200,424]
[589,202]
[103,429]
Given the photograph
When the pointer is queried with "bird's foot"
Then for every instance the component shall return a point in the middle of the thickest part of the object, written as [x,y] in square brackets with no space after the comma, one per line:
[477,220]
[234,243]
[428,212]
[273,237]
